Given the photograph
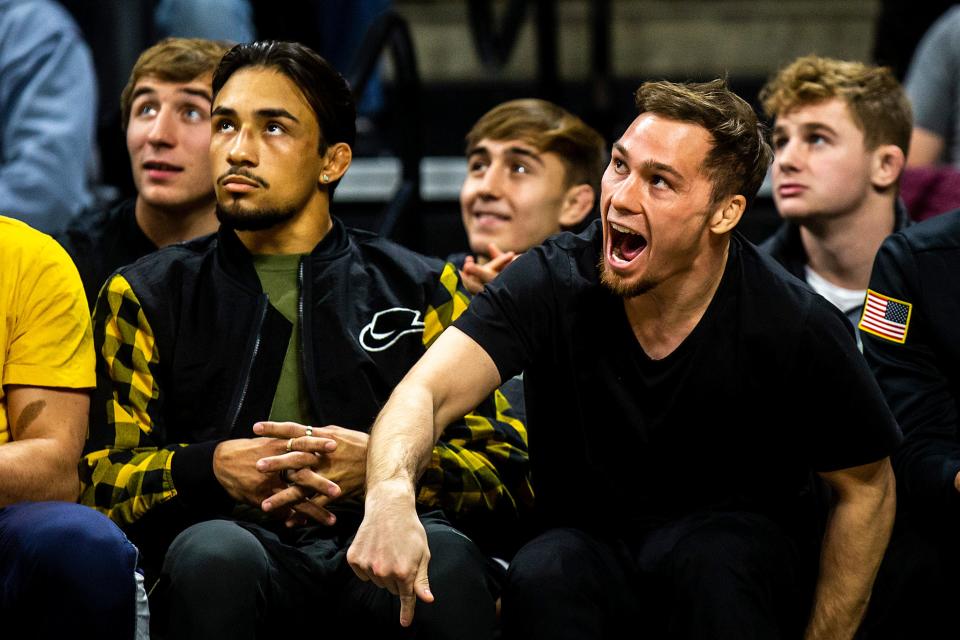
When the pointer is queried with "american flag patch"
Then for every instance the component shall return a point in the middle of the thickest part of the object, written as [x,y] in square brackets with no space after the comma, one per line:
[886,317]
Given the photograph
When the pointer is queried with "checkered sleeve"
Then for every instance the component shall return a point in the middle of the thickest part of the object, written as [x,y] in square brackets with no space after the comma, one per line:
[480,462]
[124,472]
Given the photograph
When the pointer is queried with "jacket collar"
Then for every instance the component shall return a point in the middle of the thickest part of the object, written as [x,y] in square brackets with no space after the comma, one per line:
[237,261]
[786,246]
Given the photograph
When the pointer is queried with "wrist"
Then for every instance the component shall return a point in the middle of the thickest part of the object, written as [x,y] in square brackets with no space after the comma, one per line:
[391,491]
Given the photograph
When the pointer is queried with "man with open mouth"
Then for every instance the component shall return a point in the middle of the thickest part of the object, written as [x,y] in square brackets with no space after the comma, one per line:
[686,398]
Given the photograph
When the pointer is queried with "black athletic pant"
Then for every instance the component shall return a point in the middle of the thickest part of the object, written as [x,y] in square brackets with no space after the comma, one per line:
[221,581]
[916,591]
[717,575]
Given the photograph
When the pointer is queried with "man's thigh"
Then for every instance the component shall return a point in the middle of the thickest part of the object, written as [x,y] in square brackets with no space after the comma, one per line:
[567,583]
[725,575]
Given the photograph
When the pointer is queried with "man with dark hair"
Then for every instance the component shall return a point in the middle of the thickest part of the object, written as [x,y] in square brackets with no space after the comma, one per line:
[165,109]
[841,133]
[217,357]
[533,169]
[682,391]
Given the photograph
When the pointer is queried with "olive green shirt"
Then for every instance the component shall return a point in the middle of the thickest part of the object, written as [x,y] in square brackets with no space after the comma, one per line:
[279,277]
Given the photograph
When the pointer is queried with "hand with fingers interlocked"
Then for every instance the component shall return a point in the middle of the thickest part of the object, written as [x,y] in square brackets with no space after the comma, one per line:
[309,469]
[234,465]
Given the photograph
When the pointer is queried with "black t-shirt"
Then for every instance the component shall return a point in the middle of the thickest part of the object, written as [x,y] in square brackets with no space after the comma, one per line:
[766,389]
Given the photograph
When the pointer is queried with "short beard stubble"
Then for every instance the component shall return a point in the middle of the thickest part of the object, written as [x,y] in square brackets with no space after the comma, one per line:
[616,285]
[231,217]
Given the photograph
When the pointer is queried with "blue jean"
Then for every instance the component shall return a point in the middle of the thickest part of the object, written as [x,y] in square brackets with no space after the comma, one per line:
[66,570]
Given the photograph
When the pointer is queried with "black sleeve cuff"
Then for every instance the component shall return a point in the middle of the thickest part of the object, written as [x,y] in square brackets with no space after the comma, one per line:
[197,486]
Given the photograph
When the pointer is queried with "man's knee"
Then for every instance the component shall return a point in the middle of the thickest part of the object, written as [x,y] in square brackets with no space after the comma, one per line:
[212,554]
[462,576]
[739,551]
[734,577]
[65,564]
[77,547]
[560,559]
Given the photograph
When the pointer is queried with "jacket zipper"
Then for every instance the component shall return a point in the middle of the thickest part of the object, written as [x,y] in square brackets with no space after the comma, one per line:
[262,313]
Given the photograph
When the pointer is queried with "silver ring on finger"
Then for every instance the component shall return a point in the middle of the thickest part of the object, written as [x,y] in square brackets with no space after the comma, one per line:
[309,432]
[290,444]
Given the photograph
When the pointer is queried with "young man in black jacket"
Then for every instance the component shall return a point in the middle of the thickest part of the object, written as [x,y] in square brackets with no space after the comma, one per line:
[239,373]
[841,132]
[165,107]
[908,329]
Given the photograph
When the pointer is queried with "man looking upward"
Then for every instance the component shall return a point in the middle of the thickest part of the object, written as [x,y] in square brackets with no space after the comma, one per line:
[165,108]
[841,133]
[238,375]
[657,347]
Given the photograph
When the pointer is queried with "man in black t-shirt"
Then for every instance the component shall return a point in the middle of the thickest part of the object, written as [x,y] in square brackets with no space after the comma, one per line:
[682,391]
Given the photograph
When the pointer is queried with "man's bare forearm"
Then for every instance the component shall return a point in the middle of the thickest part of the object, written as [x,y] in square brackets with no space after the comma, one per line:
[857,534]
[36,469]
[408,425]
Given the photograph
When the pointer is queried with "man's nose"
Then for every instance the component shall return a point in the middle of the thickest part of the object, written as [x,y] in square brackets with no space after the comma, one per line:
[242,149]
[162,129]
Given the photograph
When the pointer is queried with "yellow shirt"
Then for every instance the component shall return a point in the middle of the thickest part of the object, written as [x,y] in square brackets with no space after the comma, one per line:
[45,335]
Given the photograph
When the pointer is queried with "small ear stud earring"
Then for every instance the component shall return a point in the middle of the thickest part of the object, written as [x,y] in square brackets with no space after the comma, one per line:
[325,178]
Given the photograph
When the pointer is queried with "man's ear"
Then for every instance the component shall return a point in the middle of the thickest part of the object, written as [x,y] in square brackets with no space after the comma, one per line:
[336,161]
[577,203]
[727,214]
[887,164]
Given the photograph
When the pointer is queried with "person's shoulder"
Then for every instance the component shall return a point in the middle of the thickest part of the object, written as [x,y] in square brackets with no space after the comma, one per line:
[89,229]
[20,240]
[776,244]
[939,233]
[576,253]
[786,300]
[376,251]
[156,267]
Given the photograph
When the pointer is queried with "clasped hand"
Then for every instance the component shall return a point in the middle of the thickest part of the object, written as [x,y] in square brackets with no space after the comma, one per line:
[318,465]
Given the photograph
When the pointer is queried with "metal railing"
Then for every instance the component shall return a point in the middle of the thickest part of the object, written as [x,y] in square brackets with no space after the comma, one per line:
[390,34]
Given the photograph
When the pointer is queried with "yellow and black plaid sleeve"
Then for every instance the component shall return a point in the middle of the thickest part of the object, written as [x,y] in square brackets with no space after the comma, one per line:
[123,472]
[481,462]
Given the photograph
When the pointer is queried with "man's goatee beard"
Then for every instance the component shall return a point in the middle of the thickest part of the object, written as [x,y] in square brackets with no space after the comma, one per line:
[255,220]
[616,284]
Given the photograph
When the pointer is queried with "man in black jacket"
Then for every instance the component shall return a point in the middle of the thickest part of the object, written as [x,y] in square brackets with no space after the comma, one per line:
[218,359]
[165,108]
[841,132]
[910,341]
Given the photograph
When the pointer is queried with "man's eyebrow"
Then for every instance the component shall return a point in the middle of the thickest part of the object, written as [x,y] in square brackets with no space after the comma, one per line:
[276,113]
[526,153]
[807,127]
[516,151]
[260,113]
[653,165]
[478,150]
[817,126]
[139,91]
[650,165]
[200,93]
